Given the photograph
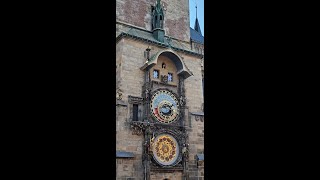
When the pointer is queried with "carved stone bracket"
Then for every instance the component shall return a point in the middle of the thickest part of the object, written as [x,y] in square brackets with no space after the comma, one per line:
[137,128]
[119,94]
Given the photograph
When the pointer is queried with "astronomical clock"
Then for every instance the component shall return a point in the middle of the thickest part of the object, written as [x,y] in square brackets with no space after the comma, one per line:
[164,106]
[166,141]
[160,113]
[166,150]
[163,123]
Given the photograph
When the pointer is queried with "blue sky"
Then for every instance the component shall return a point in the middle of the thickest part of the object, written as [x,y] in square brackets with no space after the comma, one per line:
[200,12]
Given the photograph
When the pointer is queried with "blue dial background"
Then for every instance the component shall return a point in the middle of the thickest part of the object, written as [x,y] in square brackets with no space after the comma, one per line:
[160,96]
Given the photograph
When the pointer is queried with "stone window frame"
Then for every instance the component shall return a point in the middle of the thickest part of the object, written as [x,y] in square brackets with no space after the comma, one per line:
[158,74]
[134,100]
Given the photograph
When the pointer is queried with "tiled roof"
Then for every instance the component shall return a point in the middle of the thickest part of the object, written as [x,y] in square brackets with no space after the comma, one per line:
[196,36]
[148,36]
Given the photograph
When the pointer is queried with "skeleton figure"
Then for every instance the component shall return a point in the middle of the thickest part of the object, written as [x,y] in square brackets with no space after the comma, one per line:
[147,93]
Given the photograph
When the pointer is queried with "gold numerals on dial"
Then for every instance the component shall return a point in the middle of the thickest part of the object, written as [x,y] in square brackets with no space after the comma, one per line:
[164,106]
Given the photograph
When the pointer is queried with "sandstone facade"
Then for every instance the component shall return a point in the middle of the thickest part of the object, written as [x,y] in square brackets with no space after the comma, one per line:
[134,73]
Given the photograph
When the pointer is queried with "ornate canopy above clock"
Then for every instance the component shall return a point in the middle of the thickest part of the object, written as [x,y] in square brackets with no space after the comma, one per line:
[164,106]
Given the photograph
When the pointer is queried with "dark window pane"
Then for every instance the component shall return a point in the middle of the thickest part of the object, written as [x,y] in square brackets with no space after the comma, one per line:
[135,112]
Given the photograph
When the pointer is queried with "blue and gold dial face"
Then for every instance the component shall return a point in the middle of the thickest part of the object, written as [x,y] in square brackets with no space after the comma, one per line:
[164,106]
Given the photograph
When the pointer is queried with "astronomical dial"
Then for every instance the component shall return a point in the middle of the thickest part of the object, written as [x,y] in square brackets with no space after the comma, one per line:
[165,149]
[164,106]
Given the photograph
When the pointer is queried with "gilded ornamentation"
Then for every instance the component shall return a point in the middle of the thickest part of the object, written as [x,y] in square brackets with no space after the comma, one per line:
[164,106]
[165,149]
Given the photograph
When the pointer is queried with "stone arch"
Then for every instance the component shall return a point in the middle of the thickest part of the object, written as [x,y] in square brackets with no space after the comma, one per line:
[182,69]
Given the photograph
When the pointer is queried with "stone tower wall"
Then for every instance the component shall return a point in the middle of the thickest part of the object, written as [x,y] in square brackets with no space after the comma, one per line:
[130,79]
[138,13]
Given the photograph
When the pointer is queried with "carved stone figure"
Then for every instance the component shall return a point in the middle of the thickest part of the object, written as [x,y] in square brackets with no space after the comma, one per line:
[118,94]
[185,151]
[182,100]
[164,78]
[147,91]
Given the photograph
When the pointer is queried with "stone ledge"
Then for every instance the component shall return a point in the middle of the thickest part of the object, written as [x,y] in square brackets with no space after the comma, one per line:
[121,103]
[200,157]
[197,113]
[124,154]
[199,116]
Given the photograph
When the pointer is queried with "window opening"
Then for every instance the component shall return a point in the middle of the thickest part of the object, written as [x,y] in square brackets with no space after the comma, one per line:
[170,77]
[163,65]
[155,74]
[135,112]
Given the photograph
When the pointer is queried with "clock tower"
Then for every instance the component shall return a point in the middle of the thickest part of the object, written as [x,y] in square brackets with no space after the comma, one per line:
[159,91]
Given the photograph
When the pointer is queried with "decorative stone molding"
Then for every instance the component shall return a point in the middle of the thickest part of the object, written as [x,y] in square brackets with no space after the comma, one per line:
[135,100]
[136,127]
[182,101]
[164,79]
[198,116]
[119,94]
[121,103]
[176,58]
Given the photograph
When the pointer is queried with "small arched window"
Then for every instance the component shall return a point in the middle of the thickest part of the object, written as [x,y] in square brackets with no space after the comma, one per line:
[163,65]
[160,18]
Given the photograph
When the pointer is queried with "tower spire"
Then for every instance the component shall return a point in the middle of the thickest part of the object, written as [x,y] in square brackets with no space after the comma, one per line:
[196,12]
[196,24]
